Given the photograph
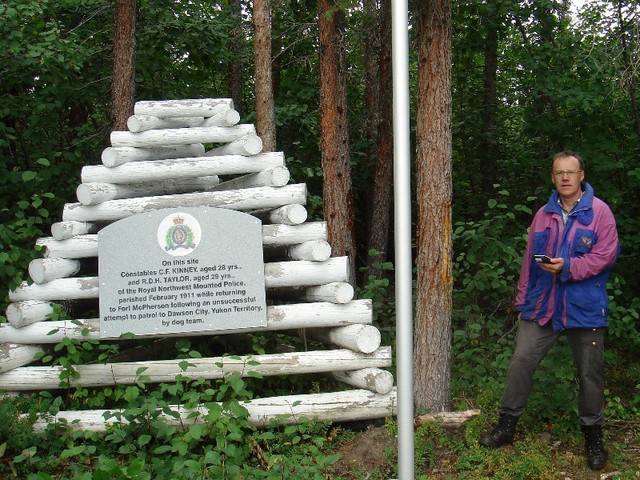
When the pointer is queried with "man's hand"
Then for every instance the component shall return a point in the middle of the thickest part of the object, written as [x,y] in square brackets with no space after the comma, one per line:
[554,267]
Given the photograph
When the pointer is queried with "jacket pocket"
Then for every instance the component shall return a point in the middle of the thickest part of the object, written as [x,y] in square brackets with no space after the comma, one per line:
[583,242]
[541,242]
[587,304]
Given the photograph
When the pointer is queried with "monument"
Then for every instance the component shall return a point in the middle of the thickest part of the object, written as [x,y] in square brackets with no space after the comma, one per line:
[181,270]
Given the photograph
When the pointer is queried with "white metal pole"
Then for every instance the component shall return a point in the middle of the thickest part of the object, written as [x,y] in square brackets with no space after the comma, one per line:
[402,236]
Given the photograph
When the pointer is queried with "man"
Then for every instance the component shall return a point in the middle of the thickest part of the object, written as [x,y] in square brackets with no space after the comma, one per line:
[577,233]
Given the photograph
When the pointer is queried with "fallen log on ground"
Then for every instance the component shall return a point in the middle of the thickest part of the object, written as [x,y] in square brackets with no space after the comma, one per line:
[448,419]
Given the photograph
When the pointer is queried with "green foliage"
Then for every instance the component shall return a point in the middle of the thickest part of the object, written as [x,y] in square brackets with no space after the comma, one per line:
[531,459]
[14,234]
[624,314]
[377,286]
[191,428]
[182,49]
[488,254]
[48,99]
[380,290]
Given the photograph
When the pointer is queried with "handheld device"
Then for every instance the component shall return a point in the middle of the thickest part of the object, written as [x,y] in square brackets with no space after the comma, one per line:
[542,259]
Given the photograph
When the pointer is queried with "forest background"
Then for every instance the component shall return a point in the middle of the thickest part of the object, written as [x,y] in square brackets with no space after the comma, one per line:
[527,79]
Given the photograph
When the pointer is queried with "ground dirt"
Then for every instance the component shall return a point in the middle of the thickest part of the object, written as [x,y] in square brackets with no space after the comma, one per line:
[366,452]
[367,455]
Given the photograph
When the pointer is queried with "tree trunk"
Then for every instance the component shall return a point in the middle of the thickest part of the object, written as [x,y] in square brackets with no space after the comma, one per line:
[336,160]
[234,66]
[629,69]
[265,114]
[488,146]
[124,49]
[380,212]
[434,243]
[372,42]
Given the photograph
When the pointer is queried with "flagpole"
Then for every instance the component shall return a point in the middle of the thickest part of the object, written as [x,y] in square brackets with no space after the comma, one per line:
[402,238]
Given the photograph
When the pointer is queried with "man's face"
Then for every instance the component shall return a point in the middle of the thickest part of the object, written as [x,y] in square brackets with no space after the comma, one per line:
[567,176]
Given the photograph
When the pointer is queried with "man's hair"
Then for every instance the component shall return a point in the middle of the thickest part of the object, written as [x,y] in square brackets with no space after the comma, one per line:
[568,153]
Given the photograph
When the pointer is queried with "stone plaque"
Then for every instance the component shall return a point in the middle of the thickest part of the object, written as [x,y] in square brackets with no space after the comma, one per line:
[181,270]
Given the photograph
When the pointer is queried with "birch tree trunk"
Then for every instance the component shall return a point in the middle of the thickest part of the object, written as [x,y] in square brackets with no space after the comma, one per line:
[124,46]
[432,378]
[336,159]
[265,114]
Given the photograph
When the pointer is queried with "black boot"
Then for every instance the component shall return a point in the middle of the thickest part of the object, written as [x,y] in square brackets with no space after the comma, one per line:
[596,454]
[502,433]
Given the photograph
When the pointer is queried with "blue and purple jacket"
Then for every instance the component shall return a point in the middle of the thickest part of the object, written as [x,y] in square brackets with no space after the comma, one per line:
[588,242]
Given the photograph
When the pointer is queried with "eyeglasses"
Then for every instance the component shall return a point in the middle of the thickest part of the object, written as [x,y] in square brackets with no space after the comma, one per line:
[569,173]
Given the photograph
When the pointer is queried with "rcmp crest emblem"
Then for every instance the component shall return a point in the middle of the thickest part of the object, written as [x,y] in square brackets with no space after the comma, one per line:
[586,242]
[179,234]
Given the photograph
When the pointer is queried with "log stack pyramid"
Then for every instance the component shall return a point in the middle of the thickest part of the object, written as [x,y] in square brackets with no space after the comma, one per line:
[161,162]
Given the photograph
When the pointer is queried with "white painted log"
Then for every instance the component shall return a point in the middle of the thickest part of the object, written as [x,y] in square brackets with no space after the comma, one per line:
[302,272]
[60,289]
[273,236]
[247,145]
[349,405]
[115,156]
[294,214]
[370,378]
[151,171]
[271,177]
[64,230]
[277,235]
[6,395]
[181,136]
[359,338]
[81,246]
[276,274]
[222,118]
[98,192]
[126,373]
[313,251]
[14,356]
[279,317]
[203,107]
[21,314]
[255,198]
[142,123]
[51,332]
[334,292]
[42,270]
[95,192]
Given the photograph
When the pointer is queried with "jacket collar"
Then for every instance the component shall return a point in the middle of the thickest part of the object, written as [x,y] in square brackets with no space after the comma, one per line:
[583,211]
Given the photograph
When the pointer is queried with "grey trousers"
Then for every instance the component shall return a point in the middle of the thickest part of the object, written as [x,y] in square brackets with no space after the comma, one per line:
[532,344]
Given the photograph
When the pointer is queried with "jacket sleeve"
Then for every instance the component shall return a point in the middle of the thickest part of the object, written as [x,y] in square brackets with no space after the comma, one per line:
[526,267]
[602,255]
